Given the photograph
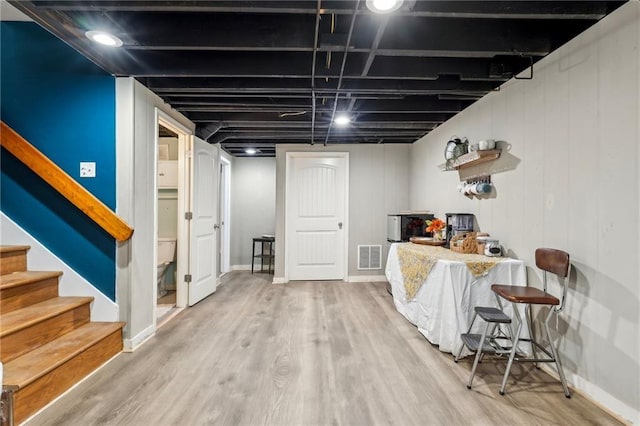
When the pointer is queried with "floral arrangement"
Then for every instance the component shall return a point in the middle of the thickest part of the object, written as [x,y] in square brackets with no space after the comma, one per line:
[434,226]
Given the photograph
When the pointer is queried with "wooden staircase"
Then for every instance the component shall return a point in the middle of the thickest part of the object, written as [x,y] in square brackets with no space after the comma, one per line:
[47,342]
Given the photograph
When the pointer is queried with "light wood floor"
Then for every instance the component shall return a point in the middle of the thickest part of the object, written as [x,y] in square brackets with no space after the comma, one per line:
[307,353]
[168,299]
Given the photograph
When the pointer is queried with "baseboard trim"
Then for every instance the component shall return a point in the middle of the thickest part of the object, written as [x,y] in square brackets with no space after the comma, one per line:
[130,345]
[366,278]
[350,279]
[240,267]
[596,395]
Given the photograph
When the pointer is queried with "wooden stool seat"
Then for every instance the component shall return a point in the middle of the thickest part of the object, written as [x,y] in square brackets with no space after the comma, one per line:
[519,294]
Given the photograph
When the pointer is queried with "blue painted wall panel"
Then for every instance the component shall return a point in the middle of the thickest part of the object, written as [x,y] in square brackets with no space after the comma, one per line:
[64,105]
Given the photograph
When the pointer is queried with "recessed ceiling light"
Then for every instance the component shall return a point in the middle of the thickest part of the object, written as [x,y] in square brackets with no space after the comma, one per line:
[384,6]
[250,151]
[342,120]
[104,38]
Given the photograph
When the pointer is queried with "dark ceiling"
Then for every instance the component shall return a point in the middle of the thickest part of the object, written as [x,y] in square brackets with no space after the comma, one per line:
[258,73]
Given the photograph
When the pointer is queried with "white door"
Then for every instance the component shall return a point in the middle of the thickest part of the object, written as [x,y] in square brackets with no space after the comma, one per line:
[204,192]
[316,219]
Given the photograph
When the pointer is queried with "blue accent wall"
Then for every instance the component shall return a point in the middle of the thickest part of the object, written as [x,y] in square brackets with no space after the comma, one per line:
[64,105]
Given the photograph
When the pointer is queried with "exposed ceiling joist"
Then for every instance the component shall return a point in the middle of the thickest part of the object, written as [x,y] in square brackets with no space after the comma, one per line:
[259,73]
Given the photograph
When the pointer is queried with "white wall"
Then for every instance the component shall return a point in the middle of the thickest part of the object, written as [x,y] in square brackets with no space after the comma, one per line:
[253,205]
[569,181]
[136,130]
[378,185]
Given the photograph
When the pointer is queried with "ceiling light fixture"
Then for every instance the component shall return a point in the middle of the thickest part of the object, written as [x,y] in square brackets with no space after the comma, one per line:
[250,151]
[384,6]
[342,120]
[104,38]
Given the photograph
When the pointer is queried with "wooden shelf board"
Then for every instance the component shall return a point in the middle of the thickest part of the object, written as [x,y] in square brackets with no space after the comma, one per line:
[472,159]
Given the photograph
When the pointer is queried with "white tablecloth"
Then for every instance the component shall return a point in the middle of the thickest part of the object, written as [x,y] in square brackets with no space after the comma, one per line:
[442,308]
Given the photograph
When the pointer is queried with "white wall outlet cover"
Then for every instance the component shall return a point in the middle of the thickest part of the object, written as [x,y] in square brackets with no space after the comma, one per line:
[87,169]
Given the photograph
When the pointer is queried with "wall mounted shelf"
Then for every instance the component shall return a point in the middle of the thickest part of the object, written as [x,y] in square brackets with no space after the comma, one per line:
[471,159]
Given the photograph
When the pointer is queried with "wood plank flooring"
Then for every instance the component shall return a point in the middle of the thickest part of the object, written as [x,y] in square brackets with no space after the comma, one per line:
[306,353]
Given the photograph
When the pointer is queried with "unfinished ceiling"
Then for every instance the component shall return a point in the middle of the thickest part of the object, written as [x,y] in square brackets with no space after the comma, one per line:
[258,73]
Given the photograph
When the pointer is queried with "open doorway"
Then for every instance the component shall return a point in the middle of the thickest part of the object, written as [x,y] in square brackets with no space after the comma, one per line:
[167,212]
[224,192]
[171,230]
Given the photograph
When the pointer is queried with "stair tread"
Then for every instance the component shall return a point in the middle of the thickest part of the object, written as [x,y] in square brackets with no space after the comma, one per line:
[23,370]
[19,319]
[16,279]
[9,249]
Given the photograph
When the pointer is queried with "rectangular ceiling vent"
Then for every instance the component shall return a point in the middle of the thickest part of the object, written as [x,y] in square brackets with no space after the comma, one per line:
[369,257]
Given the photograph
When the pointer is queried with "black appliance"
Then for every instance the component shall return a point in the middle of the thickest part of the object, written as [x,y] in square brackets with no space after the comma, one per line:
[456,224]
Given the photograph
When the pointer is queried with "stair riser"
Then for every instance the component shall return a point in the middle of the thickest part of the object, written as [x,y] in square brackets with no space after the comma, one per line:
[14,261]
[28,294]
[22,341]
[39,393]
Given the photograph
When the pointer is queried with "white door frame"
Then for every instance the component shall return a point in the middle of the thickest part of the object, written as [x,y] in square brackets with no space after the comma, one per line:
[290,156]
[184,179]
[225,215]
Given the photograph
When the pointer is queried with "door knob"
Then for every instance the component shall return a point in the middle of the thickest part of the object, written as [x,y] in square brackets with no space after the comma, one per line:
[339,225]
[216,226]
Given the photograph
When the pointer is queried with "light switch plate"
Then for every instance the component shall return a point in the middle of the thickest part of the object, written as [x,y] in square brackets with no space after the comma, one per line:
[87,169]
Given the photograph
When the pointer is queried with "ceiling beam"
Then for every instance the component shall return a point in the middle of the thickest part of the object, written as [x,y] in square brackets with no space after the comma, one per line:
[280,136]
[265,117]
[409,124]
[379,107]
[220,32]
[465,9]
[429,37]
[265,86]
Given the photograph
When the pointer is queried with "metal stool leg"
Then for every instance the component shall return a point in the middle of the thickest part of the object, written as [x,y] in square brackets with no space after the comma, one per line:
[478,355]
[556,358]
[253,255]
[515,340]
[491,334]
[475,314]
[529,318]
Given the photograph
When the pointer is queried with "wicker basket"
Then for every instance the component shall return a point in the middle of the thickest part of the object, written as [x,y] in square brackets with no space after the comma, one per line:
[467,243]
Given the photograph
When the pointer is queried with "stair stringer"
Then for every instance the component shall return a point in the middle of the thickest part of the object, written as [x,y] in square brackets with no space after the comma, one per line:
[103,309]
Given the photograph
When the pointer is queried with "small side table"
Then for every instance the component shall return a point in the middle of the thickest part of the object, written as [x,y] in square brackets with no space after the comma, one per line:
[264,255]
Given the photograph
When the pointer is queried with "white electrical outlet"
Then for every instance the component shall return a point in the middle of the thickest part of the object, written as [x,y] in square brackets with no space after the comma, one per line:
[87,169]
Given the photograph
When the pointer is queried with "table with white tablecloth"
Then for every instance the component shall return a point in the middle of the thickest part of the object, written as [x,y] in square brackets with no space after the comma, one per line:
[443,302]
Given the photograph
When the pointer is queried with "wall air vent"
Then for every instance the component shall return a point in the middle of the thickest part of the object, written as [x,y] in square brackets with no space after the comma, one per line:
[369,257]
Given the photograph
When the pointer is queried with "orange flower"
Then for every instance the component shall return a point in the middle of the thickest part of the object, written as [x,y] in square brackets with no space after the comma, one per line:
[435,225]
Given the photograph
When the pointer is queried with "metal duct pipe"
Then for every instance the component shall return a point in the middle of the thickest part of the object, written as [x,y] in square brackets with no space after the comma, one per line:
[344,62]
[313,73]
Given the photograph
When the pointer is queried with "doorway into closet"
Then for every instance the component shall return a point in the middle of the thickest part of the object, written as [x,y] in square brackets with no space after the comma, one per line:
[167,166]
[186,219]
[172,202]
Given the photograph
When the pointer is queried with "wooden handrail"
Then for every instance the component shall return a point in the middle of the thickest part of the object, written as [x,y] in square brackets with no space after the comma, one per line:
[64,184]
